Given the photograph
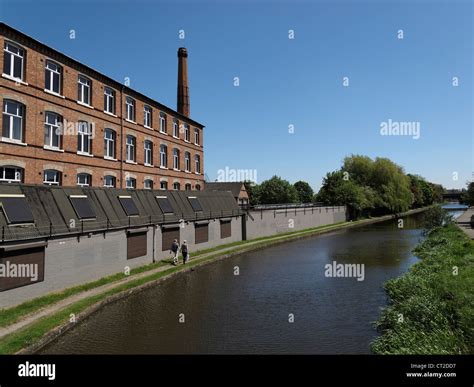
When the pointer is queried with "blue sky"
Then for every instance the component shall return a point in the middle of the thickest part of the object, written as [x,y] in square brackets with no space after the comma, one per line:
[288,81]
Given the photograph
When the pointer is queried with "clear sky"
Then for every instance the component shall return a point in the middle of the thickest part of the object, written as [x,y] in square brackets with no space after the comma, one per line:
[286,81]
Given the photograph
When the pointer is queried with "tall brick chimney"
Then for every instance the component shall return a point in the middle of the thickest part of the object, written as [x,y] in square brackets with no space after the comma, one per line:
[183,88]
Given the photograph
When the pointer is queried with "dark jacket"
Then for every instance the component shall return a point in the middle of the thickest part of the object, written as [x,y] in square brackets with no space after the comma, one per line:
[174,247]
[184,249]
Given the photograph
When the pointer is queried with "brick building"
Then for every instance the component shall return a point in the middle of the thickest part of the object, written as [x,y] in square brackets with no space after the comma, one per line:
[66,124]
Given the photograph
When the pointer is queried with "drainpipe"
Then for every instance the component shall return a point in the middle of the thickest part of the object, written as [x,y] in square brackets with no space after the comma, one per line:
[154,235]
[121,137]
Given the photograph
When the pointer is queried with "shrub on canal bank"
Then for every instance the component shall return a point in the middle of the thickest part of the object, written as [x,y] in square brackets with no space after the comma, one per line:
[432,306]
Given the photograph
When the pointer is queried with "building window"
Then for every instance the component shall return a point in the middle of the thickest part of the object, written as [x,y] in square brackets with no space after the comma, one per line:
[187,187]
[109,181]
[130,183]
[84,90]
[13,113]
[84,179]
[175,128]
[53,77]
[148,184]
[130,105]
[197,163]
[175,158]
[147,116]
[162,122]
[163,185]
[176,186]
[198,187]
[52,130]
[148,152]
[109,100]
[52,177]
[186,132]
[130,148]
[187,161]
[84,138]
[163,156]
[13,61]
[11,174]
[196,136]
[109,144]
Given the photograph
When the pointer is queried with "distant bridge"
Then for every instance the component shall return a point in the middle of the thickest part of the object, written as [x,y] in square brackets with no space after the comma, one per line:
[452,195]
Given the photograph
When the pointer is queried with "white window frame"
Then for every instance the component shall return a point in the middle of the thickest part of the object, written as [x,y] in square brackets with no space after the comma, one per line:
[53,129]
[162,122]
[176,159]
[130,109]
[148,152]
[146,182]
[129,180]
[51,72]
[84,84]
[130,148]
[147,116]
[86,183]
[114,180]
[197,164]
[176,186]
[196,136]
[163,185]
[17,171]
[175,128]
[84,133]
[163,156]
[186,133]
[109,100]
[20,114]
[187,162]
[109,144]
[19,54]
[57,177]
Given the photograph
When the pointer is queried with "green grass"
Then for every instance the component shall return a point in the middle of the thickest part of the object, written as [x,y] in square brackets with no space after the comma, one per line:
[437,306]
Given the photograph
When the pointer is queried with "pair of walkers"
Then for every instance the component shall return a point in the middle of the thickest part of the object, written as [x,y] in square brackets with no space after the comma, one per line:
[175,251]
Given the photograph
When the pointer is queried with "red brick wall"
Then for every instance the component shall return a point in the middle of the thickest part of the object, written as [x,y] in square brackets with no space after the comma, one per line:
[37,101]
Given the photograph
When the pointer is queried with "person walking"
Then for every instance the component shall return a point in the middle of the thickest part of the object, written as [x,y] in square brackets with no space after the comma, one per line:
[175,251]
[185,252]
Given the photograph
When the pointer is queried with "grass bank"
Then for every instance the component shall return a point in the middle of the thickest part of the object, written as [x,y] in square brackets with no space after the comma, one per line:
[431,307]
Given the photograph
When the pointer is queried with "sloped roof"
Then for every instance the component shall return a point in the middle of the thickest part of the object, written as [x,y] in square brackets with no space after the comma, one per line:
[54,214]
[234,187]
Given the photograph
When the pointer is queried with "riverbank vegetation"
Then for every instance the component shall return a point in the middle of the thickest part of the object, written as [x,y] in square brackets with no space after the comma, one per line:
[431,307]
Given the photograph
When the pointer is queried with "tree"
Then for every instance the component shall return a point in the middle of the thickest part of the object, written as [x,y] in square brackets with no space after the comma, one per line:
[360,168]
[277,191]
[304,191]
[252,191]
[338,191]
[468,196]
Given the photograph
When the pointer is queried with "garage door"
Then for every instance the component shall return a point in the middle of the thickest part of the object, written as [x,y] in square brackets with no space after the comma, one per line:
[21,267]
[226,230]
[168,236]
[201,233]
[136,244]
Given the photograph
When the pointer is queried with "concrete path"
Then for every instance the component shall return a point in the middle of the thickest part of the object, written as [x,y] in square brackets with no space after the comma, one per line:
[463,222]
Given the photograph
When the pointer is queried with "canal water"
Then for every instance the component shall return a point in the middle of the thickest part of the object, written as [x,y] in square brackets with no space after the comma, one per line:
[281,301]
